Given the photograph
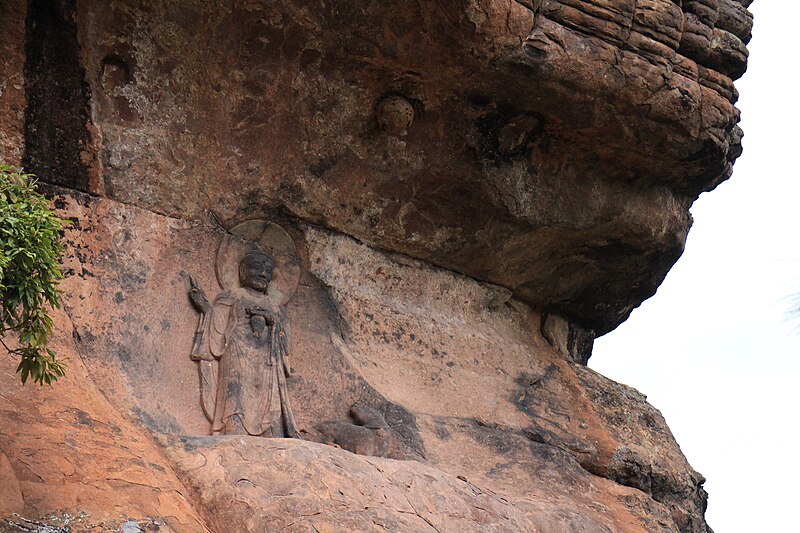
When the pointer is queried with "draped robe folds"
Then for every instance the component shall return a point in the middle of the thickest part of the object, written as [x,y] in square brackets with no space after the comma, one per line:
[251,394]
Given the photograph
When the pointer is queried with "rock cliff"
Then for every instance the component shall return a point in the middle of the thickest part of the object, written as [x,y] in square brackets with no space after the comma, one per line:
[472,190]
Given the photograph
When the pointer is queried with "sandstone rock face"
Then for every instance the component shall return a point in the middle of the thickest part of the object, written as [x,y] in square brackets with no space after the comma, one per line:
[11,500]
[474,190]
[12,90]
[299,486]
[67,449]
[563,171]
[459,370]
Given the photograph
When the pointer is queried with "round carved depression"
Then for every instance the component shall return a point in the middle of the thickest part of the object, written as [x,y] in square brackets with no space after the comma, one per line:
[395,114]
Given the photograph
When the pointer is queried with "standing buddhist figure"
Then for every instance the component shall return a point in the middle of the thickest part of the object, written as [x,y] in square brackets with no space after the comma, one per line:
[244,365]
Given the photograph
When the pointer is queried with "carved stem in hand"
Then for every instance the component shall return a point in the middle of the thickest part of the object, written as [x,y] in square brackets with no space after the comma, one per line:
[200,302]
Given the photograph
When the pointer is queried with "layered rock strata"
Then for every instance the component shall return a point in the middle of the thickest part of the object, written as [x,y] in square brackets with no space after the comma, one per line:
[561,164]
[475,190]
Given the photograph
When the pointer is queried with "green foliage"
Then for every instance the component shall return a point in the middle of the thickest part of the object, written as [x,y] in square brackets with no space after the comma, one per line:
[30,253]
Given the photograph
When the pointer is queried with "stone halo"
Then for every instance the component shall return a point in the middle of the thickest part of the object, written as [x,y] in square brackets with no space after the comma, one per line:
[269,237]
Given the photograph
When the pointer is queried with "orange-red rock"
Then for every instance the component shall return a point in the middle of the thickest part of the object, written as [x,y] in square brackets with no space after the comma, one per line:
[459,250]
[70,451]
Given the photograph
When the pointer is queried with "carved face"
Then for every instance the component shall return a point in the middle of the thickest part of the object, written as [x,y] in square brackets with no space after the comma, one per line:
[255,272]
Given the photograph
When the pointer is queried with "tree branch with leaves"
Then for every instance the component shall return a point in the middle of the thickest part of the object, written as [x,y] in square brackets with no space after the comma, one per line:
[30,268]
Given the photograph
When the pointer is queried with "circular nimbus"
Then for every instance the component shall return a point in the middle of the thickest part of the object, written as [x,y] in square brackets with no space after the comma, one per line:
[270,238]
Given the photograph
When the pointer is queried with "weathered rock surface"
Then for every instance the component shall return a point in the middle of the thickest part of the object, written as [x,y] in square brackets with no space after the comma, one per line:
[11,500]
[66,449]
[475,190]
[560,166]
[12,82]
[460,372]
[252,484]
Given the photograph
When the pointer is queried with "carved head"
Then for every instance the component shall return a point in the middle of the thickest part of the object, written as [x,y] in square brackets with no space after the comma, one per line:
[255,270]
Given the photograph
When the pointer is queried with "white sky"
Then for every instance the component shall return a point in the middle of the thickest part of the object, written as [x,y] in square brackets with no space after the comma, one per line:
[716,350]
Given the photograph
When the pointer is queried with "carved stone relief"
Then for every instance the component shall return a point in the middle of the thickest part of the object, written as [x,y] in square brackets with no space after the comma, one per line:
[367,434]
[242,341]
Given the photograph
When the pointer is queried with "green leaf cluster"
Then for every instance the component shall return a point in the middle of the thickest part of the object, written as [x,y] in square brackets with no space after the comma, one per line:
[30,255]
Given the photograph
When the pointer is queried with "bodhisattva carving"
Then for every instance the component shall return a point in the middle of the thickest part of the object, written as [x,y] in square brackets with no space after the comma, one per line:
[244,366]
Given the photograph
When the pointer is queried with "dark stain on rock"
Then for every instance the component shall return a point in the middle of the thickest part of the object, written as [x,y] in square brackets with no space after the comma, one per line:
[491,436]
[404,423]
[56,137]
[524,396]
[83,417]
[157,467]
[159,422]
[124,354]
[441,430]
[87,335]
[234,388]
[322,166]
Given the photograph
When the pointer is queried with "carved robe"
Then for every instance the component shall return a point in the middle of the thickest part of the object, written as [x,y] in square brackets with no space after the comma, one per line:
[250,395]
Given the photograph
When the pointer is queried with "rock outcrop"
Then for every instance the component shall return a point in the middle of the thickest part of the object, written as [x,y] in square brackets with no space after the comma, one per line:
[474,190]
[561,165]
[67,451]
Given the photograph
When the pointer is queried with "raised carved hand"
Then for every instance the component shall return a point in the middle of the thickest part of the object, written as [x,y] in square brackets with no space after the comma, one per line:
[198,297]
[269,315]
